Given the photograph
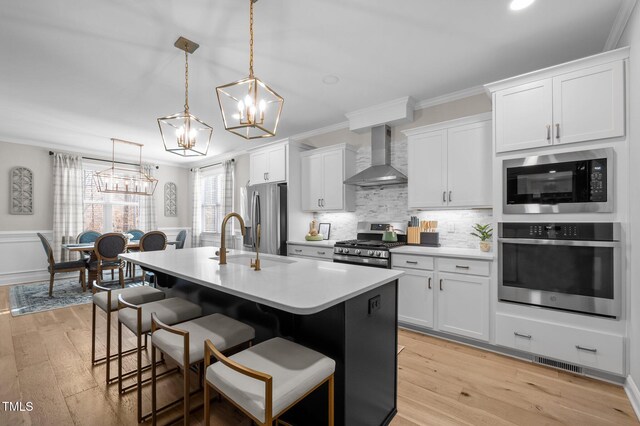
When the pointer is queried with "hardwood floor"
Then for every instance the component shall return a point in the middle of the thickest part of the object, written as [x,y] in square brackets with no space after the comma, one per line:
[45,359]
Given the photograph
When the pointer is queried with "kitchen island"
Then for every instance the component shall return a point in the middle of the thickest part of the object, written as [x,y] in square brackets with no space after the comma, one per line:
[346,312]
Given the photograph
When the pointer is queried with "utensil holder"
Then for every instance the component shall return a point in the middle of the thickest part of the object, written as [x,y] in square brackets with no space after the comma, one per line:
[413,235]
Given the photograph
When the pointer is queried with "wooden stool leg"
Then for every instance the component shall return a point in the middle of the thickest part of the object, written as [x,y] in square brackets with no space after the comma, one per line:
[108,366]
[207,404]
[139,367]
[119,357]
[331,404]
[93,333]
[187,400]
[153,386]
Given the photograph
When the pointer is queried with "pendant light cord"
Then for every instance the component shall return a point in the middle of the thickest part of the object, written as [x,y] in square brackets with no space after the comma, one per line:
[186,79]
[251,38]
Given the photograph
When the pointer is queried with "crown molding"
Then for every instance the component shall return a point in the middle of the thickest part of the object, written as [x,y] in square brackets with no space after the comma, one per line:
[450,97]
[619,25]
[321,131]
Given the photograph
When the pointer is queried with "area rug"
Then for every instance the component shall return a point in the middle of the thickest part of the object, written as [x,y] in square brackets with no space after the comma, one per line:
[34,297]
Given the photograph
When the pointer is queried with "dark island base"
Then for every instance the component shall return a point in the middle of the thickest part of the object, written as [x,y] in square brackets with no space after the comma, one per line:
[362,339]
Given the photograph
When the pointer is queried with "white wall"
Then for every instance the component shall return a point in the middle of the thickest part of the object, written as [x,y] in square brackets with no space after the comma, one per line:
[631,37]
[20,250]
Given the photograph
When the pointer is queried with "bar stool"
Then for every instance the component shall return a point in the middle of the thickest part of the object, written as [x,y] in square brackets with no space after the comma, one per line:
[288,372]
[107,300]
[185,345]
[137,318]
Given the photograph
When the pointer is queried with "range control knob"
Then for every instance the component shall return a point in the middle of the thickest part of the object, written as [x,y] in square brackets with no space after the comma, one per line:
[370,253]
[377,253]
[338,250]
[357,251]
[345,250]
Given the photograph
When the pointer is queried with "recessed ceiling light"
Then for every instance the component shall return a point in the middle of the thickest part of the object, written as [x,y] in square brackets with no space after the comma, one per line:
[330,79]
[520,4]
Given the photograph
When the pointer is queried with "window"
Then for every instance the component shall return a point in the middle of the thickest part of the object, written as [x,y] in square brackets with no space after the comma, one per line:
[108,212]
[212,197]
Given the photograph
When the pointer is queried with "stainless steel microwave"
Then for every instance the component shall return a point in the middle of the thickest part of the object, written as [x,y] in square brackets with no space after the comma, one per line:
[568,182]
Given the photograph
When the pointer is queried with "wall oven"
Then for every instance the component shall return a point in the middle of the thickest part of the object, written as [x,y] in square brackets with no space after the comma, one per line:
[567,182]
[570,266]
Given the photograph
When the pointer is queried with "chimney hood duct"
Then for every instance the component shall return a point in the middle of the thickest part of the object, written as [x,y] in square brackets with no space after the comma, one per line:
[380,173]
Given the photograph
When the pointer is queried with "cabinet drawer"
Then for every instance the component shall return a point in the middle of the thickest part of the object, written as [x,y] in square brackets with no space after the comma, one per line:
[464,266]
[310,251]
[411,261]
[588,348]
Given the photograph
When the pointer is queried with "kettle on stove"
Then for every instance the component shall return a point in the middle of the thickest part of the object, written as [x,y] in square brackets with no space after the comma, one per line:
[390,235]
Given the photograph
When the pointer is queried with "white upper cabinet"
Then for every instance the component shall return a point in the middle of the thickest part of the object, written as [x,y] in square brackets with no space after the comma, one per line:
[449,164]
[323,173]
[268,165]
[580,101]
[589,104]
[523,116]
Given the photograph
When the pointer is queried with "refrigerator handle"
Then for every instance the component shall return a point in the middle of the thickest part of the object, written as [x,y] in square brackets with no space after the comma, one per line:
[255,217]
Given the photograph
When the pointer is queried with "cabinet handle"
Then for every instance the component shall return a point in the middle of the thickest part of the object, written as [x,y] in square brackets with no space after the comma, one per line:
[549,133]
[557,131]
[318,202]
[582,348]
[411,262]
[429,283]
[444,196]
[268,176]
[462,267]
[297,250]
[526,336]
[264,176]
[322,252]
[440,284]
[322,200]
[450,195]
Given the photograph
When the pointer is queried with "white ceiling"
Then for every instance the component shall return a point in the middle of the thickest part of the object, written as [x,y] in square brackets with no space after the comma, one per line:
[74,73]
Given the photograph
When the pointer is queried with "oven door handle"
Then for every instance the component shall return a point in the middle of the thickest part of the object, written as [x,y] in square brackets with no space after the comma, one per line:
[575,243]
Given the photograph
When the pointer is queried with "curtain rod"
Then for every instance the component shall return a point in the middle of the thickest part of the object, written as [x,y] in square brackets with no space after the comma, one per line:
[233,160]
[107,161]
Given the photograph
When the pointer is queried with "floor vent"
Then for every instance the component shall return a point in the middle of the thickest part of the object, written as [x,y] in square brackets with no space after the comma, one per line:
[558,364]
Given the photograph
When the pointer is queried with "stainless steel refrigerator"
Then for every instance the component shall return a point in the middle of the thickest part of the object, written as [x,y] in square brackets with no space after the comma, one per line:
[266,204]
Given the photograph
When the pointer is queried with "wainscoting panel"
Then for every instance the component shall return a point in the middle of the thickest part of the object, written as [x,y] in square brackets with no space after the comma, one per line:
[22,258]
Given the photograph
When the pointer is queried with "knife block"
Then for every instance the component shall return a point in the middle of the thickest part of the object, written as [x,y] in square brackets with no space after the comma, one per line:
[413,235]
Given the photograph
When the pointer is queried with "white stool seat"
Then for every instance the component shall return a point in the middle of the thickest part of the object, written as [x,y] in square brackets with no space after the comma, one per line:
[133,295]
[295,370]
[224,332]
[169,311]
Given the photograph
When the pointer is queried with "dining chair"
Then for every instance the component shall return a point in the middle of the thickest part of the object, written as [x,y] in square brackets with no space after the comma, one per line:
[267,379]
[54,268]
[87,237]
[151,241]
[184,344]
[107,248]
[137,233]
[180,239]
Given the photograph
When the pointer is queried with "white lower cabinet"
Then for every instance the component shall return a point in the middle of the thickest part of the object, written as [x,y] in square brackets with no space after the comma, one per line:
[463,305]
[310,251]
[451,302]
[415,297]
[588,348]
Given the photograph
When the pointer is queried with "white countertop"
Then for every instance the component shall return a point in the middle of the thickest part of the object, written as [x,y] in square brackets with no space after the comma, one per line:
[445,252]
[323,243]
[299,286]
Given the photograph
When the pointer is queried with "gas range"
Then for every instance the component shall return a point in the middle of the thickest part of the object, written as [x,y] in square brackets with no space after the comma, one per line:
[369,249]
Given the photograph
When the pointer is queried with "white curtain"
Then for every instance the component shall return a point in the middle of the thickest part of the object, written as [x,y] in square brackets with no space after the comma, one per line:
[147,204]
[196,225]
[229,168]
[67,203]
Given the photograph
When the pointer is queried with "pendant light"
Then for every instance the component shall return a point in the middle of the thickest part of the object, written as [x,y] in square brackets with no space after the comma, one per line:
[183,133]
[120,180]
[249,107]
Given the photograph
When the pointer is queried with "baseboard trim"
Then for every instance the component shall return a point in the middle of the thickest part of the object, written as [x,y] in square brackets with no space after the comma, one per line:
[633,393]
[26,277]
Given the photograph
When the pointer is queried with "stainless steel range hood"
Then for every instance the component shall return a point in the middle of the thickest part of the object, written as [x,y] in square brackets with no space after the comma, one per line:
[380,172]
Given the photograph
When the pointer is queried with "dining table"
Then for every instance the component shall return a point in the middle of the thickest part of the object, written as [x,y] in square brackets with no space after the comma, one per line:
[89,248]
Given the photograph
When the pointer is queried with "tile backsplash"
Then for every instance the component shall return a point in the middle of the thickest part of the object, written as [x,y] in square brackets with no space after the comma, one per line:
[389,204]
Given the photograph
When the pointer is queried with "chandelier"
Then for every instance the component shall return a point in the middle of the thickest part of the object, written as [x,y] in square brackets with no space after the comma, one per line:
[249,107]
[119,180]
[183,133]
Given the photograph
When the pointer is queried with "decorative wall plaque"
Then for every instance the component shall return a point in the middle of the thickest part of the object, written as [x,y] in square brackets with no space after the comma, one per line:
[170,199]
[21,182]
